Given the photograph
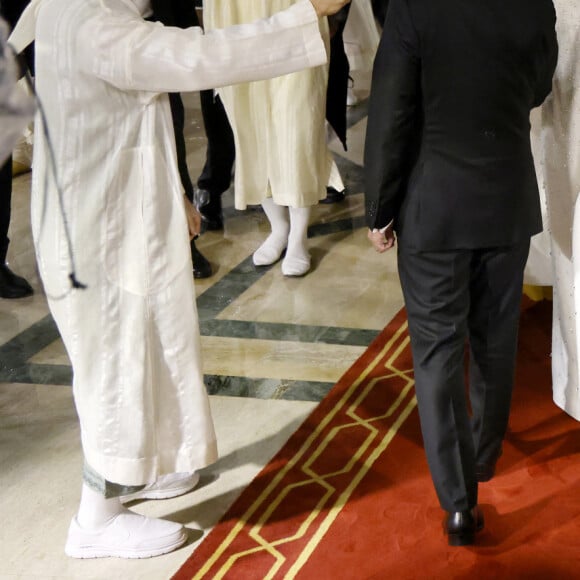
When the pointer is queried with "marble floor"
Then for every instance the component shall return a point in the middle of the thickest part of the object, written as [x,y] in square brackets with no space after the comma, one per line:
[272,348]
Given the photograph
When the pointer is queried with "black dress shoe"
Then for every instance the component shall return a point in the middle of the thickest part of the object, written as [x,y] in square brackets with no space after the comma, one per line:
[201,265]
[333,195]
[13,286]
[462,526]
[211,222]
[209,206]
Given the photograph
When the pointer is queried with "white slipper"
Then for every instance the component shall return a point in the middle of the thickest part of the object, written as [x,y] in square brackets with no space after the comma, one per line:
[295,265]
[166,487]
[270,251]
[126,535]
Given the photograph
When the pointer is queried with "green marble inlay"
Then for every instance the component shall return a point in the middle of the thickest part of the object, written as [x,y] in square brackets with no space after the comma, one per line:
[288,332]
[267,388]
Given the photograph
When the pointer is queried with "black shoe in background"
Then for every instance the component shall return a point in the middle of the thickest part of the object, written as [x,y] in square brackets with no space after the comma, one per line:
[13,286]
[333,195]
[201,265]
[209,206]
[212,222]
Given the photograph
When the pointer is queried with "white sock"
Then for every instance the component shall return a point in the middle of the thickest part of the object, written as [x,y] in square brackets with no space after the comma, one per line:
[95,510]
[271,250]
[297,260]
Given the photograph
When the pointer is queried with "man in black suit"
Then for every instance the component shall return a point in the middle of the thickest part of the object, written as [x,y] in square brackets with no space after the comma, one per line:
[449,169]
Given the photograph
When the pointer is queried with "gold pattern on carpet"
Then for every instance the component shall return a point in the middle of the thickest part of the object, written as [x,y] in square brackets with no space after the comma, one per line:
[317,477]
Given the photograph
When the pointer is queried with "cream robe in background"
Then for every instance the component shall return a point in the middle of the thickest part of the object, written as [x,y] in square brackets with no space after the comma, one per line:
[279,125]
[133,335]
[556,141]
[361,36]
[539,270]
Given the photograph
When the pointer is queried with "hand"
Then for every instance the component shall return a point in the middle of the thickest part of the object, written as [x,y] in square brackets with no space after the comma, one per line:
[382,241]
[328,7]
[193,219]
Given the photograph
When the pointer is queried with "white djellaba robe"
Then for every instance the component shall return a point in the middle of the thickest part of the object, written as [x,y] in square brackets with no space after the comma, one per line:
[279,125]
[556,144]
[132,336]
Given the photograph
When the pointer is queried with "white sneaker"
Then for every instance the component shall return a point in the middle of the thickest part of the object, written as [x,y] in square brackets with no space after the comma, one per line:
[126,535]
[166,487]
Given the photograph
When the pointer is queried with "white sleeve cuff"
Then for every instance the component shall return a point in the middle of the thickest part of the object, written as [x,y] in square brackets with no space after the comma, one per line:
[384,229]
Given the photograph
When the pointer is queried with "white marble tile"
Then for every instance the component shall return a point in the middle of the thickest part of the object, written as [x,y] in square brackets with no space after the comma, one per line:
[41,476]
[297,361]
[350,286]
[54,354]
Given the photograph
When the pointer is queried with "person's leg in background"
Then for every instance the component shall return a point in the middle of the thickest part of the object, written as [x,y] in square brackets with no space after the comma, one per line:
[336,93]
[11,285]
[201,266]
[182,14]
[216,175]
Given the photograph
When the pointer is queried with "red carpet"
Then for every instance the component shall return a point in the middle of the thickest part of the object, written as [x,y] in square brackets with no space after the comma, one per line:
[349,496]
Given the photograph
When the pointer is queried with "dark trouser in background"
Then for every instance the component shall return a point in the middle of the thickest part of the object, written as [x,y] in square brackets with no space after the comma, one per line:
[201,266]
[5,202]
[11,11]
[452,297]
[178,116]
[216,176]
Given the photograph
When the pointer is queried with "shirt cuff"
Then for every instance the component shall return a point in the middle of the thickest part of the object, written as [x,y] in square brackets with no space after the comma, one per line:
[384,229]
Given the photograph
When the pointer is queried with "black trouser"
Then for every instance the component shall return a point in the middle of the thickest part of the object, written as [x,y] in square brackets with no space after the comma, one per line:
[11,11]
[178,116]
[5,201]
[221,151]
[182,14]
[452,297]
[217,171]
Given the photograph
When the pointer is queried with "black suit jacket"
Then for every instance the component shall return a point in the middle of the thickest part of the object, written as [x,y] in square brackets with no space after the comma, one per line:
[447,152]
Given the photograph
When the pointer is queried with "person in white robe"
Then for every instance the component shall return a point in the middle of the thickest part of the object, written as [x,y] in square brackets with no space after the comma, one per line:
[102,74]
[282,158]
[555,255]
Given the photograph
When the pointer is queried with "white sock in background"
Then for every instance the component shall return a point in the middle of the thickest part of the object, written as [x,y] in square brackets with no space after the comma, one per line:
[271,250]
[297,260]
